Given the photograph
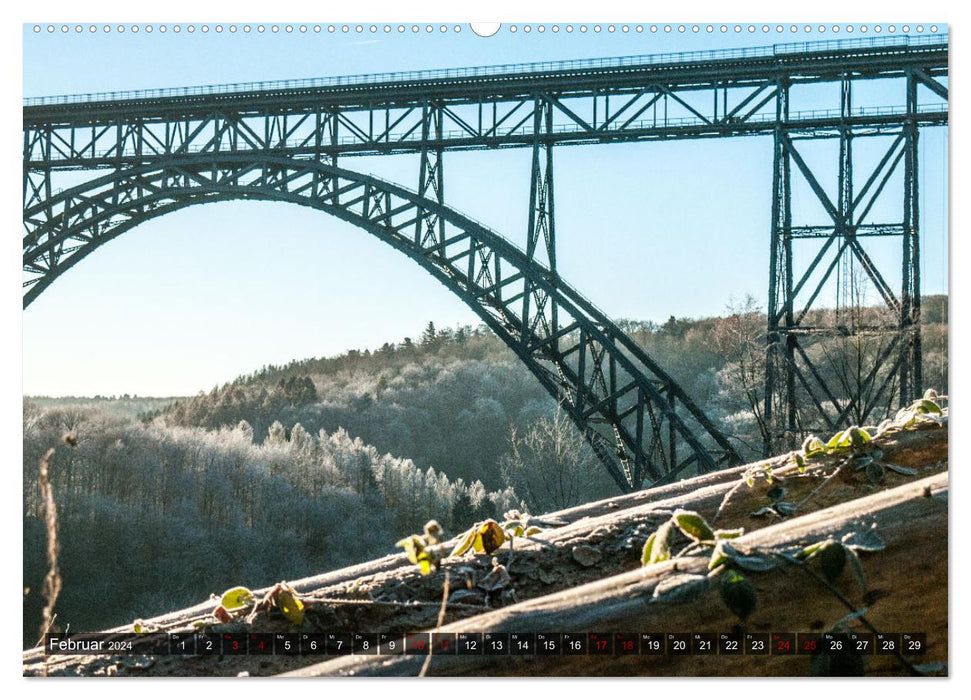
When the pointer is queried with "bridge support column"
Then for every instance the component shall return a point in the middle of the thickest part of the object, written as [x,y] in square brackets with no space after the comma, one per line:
[911,375]
[826,367]
[541,225]
[779,378]
[430,227]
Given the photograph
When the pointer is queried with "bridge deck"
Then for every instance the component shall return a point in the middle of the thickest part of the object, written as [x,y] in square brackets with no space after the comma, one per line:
[804,62]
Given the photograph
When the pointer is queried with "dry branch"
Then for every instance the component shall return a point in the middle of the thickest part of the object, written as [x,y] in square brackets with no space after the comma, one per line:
[390,595]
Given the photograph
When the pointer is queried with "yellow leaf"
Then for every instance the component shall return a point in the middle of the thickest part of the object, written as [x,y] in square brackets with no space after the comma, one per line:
[290,605]
[465,544]
[236,598]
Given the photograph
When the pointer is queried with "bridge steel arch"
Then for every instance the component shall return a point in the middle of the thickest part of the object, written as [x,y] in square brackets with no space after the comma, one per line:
[638,420]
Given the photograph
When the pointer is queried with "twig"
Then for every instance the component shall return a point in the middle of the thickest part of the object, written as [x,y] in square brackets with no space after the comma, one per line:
[438,626]
[52,581]
[731,492]
[826,480]
[843,599]
[393,603]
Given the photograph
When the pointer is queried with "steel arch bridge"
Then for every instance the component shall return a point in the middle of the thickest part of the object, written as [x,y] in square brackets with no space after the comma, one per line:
[153,152]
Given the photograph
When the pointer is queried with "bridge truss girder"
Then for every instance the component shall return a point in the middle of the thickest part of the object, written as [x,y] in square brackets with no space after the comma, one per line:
[812,390]
[705,99]
[637,419]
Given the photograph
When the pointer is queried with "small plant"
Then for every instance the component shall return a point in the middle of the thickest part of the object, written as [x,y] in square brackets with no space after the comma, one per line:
[284,598]
[519,524]
[483,538]
[420,548]
[240,599]
[693,526]
[488,536]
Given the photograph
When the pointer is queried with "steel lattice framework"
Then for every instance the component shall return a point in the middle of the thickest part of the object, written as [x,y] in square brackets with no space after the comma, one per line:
[163,150]
[631,411]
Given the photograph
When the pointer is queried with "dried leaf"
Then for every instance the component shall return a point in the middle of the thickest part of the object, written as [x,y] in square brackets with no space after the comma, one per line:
[489,537]
[906,471]
[433,531]
[465,544]
[586,555]
[496,579]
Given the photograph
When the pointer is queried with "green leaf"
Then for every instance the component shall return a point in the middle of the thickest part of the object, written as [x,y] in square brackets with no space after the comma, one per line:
[858,436]
[729,534]
[722,554]
[812,446]
[928,406]
[533,530]
[236,598]
[829,558]
[738,594]
[875,472]
[414,547]
[657,548]
[810,550]
[693,525]
[647,554]
[725,553]
[866,541]
[799,461]
[776,493]
[514,528]
[836,442]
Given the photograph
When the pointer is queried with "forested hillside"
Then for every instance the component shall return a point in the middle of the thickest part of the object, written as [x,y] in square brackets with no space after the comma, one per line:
[326,462]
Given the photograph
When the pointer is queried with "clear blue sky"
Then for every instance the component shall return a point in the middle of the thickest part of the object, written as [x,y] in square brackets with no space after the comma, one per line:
[195,298]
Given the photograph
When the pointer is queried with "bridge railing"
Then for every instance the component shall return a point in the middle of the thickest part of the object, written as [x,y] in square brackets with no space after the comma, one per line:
[487,71]
[525,131]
